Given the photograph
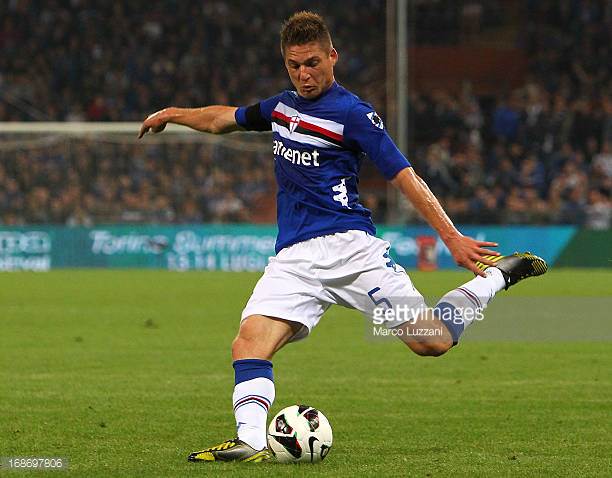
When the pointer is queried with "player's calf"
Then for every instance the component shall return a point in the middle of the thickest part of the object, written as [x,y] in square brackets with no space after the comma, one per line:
[432,349]
[426,336]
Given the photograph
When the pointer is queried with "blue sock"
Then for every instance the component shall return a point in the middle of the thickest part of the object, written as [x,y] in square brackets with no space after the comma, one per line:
[451,318]
[247,369]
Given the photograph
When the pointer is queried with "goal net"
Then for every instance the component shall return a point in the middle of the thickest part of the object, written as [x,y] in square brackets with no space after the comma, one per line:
[100,173]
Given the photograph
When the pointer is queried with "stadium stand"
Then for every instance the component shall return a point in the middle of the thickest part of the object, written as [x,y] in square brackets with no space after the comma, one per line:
[540,153]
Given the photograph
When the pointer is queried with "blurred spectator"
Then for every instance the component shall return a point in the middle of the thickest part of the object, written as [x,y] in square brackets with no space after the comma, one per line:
[603,160]
[79,217]
[506,120]
[598,211]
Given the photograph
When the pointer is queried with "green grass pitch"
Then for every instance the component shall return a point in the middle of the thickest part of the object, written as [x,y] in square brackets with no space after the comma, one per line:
[126,372]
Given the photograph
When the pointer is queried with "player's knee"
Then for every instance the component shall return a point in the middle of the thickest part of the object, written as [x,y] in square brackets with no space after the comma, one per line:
[433,349]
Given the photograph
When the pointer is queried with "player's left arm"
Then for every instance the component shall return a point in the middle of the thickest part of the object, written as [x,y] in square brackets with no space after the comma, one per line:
[365,131]
[465,250]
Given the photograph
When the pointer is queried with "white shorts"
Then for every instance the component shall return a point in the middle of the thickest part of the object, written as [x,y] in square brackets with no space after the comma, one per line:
[352,269]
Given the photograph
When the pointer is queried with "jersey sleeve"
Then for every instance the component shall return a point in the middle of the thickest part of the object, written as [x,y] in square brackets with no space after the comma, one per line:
[364,131]
[257,117]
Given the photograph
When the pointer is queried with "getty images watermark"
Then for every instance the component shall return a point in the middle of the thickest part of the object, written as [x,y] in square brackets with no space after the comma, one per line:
[404,320]
[509,318]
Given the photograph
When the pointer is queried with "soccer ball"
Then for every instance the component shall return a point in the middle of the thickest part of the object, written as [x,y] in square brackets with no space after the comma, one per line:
[299,433]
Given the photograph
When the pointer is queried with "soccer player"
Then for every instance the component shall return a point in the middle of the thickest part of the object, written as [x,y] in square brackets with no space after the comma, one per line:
[326,250]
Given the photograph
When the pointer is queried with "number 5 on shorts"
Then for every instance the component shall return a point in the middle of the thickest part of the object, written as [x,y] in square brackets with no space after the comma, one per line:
[382,300]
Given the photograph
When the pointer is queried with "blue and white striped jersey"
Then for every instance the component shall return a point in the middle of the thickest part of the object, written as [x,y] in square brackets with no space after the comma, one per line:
[318,148]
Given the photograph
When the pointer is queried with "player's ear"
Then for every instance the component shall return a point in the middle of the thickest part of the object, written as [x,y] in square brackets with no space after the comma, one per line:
[333,55]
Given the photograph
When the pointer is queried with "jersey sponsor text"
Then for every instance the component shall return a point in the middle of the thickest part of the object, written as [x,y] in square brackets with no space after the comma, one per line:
[295,156]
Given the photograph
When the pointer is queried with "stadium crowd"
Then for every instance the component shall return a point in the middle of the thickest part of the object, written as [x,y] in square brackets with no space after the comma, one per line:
[95,60]
[543,153]
[539,154]
[88,180]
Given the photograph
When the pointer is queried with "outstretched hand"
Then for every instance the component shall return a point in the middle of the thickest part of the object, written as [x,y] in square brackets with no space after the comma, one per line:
[467,251]
[155,122]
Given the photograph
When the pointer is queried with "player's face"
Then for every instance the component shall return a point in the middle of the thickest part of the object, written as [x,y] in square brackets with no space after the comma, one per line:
[310,68]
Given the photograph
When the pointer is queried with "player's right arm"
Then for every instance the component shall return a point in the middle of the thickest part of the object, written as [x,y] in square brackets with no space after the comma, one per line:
[215,119]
